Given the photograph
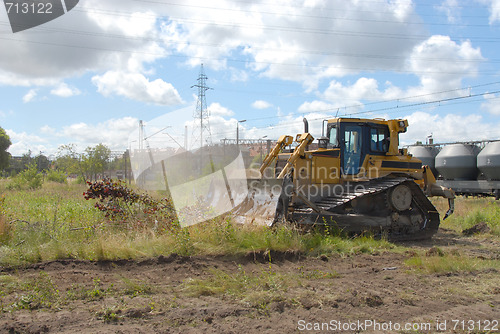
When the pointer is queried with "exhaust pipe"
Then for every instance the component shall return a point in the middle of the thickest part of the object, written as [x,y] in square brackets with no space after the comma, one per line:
[306,129]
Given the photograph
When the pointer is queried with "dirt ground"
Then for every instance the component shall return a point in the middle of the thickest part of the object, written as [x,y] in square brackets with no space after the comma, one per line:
[291,293]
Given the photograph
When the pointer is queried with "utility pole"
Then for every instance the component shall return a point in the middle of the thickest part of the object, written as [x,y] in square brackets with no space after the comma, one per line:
[201,114]
[238,132]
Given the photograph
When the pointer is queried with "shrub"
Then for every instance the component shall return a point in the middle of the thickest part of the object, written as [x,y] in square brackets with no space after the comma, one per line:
[29,178]
[121,204]
[56,176]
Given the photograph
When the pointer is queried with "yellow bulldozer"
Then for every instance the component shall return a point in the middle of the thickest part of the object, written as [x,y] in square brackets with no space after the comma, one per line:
[357,179]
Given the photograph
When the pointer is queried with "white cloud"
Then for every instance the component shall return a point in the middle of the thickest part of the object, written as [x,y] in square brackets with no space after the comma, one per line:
[362,89]
[441,64]
[63,90]
[221,128]
[447,128]
[136,86]
[260,104]
[402,9]
[113,133]
[452,10]
[93,37]
[32,93]
[303,41]
[137,24]
[317,106]
[24,80]
[217,110]
[238,75]
[491,105]
[494,7]
[290,125]
[23,142]
[47,130]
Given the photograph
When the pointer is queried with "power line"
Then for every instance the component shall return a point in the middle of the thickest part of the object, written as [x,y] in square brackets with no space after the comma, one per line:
[341,18]
[258,48]
[425,104]
[247,61]
[313,52]
[232,24]
[355,106]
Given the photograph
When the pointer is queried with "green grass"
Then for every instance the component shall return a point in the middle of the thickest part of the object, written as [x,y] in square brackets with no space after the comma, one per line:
[471,211]
[94,292]
[255,289]
[37,293]
[56,222]
[136,287]
[451,263]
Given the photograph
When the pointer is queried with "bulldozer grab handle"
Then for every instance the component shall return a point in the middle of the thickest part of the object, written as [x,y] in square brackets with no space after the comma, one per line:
[283,142]
[304,140]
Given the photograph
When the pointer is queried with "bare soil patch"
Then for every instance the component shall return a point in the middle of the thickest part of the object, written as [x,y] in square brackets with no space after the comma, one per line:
[257,293]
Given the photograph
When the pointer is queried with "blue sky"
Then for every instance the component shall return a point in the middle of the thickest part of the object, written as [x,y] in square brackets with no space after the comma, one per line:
[89,76]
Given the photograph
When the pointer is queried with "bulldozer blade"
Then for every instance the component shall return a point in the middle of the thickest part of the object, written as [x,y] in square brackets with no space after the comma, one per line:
[260,205]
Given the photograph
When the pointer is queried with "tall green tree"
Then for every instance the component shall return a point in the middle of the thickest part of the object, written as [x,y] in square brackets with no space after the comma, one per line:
[4,146]
[68,160]
[96,160]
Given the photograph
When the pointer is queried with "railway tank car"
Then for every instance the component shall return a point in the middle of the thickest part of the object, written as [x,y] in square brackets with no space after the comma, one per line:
[471,168]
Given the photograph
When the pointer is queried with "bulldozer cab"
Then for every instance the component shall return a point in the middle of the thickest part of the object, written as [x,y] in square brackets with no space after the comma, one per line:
[355,140]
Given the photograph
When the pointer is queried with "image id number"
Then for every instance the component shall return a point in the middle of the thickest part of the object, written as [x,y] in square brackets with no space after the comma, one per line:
[29,8]
[471,325]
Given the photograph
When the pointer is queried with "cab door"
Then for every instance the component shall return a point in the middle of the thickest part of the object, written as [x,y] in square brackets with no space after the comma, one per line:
[351,148]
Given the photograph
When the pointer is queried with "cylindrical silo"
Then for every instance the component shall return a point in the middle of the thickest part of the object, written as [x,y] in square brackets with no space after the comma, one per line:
[426,154]
[458,162]
[488,161]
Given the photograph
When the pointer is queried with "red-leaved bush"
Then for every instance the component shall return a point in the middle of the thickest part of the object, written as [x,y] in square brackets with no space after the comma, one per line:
[120,203]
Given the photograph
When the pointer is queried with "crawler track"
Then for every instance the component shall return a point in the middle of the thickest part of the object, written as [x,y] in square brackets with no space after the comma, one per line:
[367,207]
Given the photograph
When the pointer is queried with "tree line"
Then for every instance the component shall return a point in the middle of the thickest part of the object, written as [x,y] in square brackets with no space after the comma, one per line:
[87,166]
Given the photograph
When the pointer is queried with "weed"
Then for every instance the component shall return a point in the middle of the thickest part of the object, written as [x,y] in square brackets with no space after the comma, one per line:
[96,292]
[135,287]
[8,284]
[256,289]
[184,244]
[109,314]
[174,303]
[40,293]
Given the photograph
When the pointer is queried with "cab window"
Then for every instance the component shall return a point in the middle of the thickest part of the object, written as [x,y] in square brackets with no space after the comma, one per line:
[333,138]
[379,139]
